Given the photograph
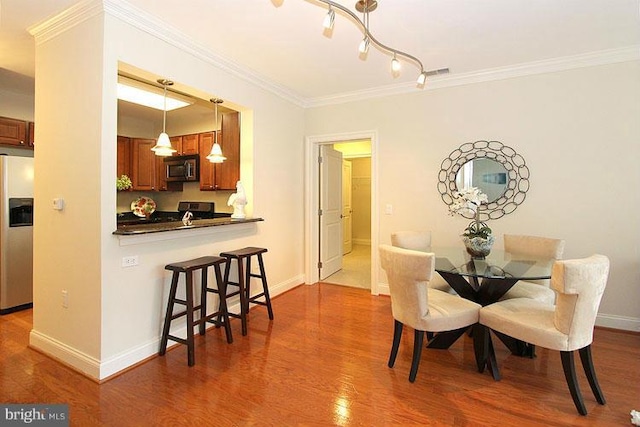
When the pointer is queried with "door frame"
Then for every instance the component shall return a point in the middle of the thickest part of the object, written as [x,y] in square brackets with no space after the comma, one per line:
[312,201]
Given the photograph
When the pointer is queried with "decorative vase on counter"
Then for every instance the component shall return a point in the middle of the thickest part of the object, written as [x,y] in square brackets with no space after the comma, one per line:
[478,247]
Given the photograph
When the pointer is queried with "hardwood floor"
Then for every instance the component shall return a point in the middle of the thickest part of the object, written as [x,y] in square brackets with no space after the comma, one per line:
[323,361]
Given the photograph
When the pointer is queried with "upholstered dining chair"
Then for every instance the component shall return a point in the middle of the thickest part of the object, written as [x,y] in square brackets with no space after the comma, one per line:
[567,326]
[416,305]
[521,246]
[420,240]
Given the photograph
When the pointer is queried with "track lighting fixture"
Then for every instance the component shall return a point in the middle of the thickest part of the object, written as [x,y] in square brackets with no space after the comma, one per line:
[367,6]
[163,146]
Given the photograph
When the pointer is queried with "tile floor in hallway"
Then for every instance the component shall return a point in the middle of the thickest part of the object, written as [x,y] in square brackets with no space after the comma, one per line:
[356,268]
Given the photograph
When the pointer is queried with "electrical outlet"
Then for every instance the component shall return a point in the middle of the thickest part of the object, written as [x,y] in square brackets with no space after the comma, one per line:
[130,261]
[65,299]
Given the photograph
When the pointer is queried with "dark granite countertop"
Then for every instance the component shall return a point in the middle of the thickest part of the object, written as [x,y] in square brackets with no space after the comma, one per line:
[145,228]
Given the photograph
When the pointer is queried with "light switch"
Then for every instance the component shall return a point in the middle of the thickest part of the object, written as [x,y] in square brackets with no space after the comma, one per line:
[388,209]
[58,204]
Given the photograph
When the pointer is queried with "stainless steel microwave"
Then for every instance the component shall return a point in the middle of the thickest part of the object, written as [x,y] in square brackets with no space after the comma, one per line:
[182,168]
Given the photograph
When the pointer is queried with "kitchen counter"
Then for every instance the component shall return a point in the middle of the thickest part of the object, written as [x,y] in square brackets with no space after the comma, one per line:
[146,228]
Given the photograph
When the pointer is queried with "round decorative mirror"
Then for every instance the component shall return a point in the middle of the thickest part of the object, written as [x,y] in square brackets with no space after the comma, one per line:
[486,174]
[496,169]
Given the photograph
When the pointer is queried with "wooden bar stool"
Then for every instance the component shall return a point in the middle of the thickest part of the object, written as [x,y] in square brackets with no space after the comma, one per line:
[221,316]
[243,260]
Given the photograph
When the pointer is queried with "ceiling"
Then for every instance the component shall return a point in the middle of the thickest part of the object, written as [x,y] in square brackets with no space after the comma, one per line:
[283,42]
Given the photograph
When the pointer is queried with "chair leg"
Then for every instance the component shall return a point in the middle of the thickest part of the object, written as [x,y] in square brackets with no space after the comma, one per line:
[190,341]
[203,300]
[589,370]
[167,318]
[417,352]
[572,382]
[397,334]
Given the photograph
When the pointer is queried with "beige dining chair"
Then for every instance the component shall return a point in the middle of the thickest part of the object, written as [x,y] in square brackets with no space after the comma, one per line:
[420,240]
[567,326]
[520,247]
[416,305]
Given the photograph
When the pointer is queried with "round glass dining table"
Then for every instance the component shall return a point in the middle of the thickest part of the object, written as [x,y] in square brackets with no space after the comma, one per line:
[485,281]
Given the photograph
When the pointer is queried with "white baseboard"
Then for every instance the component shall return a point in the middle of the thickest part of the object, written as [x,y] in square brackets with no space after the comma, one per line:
[100,370]
[618,322]
[366,242]
[65,354]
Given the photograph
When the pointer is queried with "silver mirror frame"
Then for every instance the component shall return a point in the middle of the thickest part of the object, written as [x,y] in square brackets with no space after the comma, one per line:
[517,170]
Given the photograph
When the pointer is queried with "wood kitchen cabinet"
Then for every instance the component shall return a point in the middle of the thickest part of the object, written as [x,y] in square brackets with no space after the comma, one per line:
[228,173]
[143,164]
[146,170]
[189,144]
[14,132]
[207,169]
[176,143]
[31,139]
[221,176]
[124,156]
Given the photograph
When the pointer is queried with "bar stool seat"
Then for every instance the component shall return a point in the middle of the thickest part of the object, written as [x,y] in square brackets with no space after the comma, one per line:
[243,260]
[219,318]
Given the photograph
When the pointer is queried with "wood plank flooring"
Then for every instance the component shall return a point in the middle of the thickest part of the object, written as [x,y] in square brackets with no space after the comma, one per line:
[323,362]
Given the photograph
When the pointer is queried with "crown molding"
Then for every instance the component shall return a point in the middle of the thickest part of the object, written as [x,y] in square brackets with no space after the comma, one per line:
[65,20]
[143,21]
[591,59]
[155,27]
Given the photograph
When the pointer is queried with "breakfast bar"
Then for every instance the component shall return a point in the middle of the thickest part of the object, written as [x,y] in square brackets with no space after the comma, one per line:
[146,228]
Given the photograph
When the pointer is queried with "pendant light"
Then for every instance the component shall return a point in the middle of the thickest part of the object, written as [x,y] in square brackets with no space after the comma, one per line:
[163,146]
[215,156]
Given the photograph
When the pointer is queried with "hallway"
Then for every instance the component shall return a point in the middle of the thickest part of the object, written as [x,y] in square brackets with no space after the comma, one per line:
[356,268]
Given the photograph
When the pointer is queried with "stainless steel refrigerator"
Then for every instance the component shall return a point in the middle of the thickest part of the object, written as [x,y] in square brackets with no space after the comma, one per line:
[16,233]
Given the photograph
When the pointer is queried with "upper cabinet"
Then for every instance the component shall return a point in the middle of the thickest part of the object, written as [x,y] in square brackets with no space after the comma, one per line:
[221,176]
[143,165]
[207,169]
[15,133]
[189,144]
[124,156]
[31,135]
[228,173]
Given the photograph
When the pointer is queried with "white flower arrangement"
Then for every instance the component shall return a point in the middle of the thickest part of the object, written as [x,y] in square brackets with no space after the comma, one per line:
[468,202]
[635,417]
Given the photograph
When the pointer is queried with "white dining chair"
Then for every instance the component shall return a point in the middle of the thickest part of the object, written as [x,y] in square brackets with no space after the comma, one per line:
[567,326]
[416,305]
[420,240]
[521,247]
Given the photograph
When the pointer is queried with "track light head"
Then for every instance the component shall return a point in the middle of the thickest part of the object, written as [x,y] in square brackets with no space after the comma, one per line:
[329,19]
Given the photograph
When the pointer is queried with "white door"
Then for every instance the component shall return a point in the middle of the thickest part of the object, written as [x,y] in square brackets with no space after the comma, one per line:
[347,208]
[330,211]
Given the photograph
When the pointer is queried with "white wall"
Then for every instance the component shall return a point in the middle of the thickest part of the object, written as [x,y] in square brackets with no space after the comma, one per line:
[115,314]
[578,131]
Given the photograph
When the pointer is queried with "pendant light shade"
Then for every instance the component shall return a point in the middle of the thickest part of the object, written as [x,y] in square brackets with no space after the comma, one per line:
[163,146]
[215,156]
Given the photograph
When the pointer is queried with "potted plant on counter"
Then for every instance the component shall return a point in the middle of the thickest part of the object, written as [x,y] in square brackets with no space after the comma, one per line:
[123,183]
[477,236]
